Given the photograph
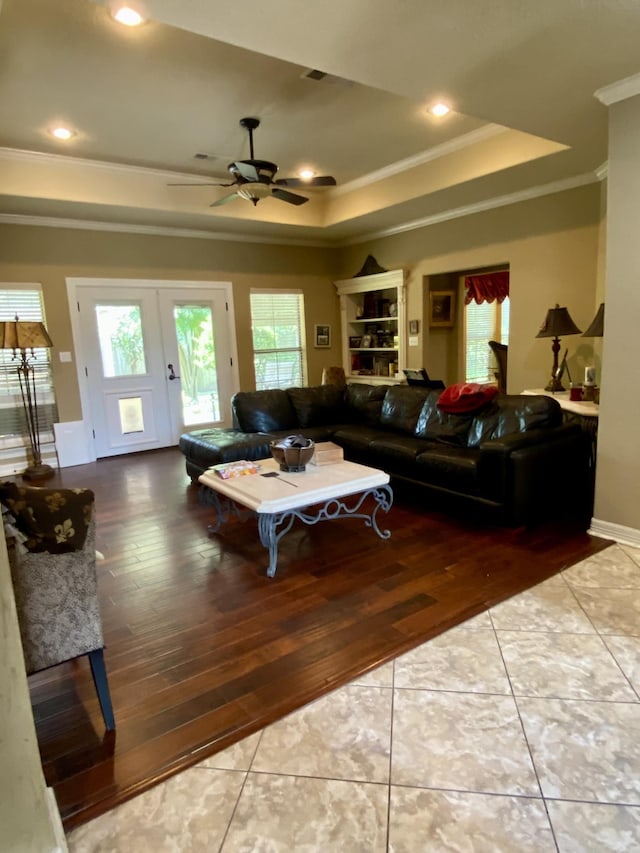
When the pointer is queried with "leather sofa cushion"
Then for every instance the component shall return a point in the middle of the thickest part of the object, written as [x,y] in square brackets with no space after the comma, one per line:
[263,411]
[514,413]
[318,405]
[435,424]
[207,447]
[364,403]
[452,468]
[397,453]
[356,438]
[401,406]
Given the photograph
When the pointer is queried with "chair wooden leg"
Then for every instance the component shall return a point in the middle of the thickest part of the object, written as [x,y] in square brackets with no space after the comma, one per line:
[99,673]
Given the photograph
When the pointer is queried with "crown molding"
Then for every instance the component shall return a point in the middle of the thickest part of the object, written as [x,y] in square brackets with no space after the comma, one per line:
[153,230]
[479,207]
[413,225]
[619,91]
[602,172]
[15,154]
[458,144]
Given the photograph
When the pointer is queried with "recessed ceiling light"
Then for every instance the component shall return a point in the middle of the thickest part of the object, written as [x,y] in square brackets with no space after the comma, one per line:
[439,109]
[62,133]
[127,16]
[306,174]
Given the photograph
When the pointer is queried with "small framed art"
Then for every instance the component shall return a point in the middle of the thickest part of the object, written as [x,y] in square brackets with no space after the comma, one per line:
[322,336]
[442,306]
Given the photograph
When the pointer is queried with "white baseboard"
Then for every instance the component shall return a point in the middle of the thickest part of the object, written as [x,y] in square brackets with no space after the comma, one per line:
[56,823]
[617,532]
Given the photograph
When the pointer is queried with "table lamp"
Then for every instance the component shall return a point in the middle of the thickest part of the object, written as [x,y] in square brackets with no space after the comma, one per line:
[596,329]
[556,324]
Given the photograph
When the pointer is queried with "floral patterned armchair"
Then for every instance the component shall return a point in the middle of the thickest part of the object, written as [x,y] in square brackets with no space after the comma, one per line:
[51,544]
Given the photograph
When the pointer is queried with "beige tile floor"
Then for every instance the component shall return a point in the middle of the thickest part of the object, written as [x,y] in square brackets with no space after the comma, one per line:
[518,730]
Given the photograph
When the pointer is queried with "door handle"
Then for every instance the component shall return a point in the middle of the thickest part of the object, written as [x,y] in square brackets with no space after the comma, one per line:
[172,375]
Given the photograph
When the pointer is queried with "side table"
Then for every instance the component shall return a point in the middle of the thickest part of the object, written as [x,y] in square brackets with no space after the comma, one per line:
[577,411]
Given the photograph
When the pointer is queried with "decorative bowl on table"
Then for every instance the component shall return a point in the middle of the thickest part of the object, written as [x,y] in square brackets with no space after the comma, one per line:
[292,453]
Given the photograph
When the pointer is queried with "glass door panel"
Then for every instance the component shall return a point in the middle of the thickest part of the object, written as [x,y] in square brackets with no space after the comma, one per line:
[197,359]
[121,340]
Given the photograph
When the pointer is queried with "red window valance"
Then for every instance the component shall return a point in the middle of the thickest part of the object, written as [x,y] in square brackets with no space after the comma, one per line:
[487,287]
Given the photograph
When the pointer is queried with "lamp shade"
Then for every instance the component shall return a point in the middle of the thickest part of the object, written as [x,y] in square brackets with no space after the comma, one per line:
[596,329]
[557,324]
[23,334]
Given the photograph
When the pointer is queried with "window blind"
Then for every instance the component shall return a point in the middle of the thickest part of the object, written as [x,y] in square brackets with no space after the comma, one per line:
[26,303]
[484,322]
[277,327]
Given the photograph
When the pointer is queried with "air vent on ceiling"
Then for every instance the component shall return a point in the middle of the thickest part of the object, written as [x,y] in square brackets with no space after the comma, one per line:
[316,74]
[200,155]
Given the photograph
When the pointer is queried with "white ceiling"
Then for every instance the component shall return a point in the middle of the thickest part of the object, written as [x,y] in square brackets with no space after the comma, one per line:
[521,78]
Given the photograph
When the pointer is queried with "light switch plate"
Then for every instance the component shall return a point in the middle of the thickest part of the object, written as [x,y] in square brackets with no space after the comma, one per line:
[413,341]
[65,356]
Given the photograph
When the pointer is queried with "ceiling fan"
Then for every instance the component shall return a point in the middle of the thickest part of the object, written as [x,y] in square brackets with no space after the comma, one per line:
[254,179]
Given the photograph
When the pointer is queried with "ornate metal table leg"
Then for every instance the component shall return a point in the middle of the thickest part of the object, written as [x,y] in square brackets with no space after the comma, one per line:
[273,527]
[224,508]
[270,536]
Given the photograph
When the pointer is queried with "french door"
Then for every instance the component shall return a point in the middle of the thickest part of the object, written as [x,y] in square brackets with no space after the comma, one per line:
[157,361]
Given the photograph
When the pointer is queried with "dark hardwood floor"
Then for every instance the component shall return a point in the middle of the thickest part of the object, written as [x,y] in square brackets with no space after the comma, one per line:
[203,648]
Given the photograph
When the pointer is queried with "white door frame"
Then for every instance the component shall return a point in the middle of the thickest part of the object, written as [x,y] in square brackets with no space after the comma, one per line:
[84,429]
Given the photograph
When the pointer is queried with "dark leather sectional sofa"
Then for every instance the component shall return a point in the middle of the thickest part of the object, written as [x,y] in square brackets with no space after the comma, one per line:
[513,457]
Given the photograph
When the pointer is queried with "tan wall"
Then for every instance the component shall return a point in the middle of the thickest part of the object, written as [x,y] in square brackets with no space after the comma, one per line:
[551,247]
[617,498]
[49,256]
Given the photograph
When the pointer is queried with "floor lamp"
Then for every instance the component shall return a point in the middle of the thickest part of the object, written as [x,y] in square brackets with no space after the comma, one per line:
[23,337]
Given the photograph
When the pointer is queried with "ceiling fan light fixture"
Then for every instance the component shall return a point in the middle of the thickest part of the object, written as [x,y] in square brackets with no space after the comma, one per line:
[306,174]
[254,191]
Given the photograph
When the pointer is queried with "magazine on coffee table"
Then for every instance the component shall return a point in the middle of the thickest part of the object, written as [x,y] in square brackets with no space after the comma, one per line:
[229,470]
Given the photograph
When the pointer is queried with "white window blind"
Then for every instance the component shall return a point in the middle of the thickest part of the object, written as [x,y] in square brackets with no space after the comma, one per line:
[277,325]
[26,303]
[486,322]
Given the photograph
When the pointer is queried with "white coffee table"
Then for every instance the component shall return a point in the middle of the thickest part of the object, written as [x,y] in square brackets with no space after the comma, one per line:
[314,495]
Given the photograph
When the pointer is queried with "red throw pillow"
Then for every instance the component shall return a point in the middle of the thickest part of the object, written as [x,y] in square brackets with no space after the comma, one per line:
[465,397]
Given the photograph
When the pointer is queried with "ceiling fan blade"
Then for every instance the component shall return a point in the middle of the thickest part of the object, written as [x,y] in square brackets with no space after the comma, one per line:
[292,198]
[225,200]
[319,181]
[245,170]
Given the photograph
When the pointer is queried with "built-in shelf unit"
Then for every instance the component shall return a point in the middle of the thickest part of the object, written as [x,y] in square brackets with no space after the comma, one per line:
[373,323]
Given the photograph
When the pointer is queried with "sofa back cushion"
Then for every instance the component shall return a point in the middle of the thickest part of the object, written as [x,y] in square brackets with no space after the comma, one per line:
[363,403]
[263,411]
[401,406]
[436,425]
[317,405]
[511,413]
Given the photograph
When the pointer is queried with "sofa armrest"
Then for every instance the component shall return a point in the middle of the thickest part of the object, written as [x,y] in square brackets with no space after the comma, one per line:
[532,473]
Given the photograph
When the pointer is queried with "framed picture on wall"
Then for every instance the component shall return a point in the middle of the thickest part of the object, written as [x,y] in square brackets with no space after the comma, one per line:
[442,307]
[322,336]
